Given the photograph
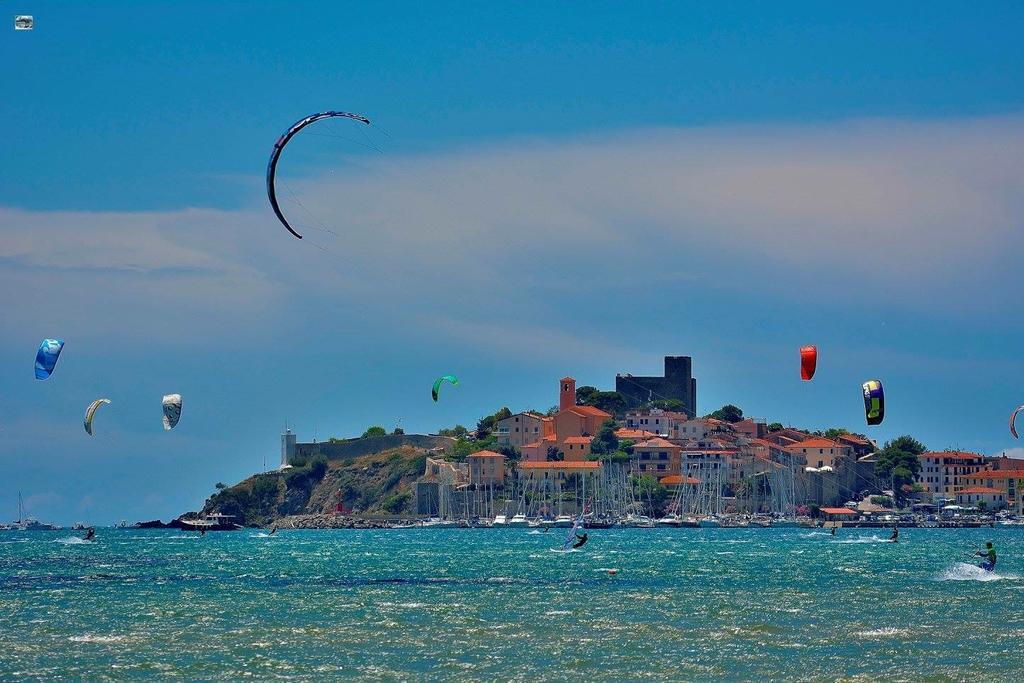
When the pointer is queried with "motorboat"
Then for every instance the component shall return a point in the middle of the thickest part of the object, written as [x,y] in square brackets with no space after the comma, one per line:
[519,521]
[500,520]
[669,521]
[563,522]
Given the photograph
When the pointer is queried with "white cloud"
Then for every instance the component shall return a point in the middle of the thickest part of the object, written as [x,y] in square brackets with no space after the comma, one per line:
[912,214]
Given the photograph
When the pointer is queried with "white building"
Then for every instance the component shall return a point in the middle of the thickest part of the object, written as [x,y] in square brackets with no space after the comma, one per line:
[287,448]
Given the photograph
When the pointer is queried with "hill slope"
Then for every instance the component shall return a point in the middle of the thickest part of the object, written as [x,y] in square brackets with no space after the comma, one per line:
[376,484]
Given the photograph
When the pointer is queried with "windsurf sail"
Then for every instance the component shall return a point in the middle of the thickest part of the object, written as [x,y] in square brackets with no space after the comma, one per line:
[570,538]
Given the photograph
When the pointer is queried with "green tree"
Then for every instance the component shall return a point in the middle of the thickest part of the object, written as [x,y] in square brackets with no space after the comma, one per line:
[585,395]
[671,404]
[398,431]
[834,433]
[458,431]
[555,455]
[605,441]
[898,462]
[728,413]
[374,431]
[220,486]
[775,427]
[397,502]
[611,402]
[649,489]
[485,425]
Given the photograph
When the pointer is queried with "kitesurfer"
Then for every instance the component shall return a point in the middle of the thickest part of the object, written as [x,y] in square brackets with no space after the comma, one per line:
[90,534]
[895,535]
[273,530]
[989,563]
[580,540]
[833,531]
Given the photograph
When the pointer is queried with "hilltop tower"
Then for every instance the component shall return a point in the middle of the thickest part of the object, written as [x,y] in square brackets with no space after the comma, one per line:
[287,447]
[567,393]
[678,383]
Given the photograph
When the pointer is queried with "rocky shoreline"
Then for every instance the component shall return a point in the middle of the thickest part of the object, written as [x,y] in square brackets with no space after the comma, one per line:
[331,521]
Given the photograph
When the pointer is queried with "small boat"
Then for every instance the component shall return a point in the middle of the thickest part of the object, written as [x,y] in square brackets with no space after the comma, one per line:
[519,521]
[28,523]
[79,526]
[214,521]
[500,520]
[708,523]
[563,522]
[669,521]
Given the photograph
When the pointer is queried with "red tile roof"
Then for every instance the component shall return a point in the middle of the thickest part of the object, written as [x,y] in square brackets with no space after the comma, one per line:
[817,443]
[588,410]
[626,433]
[656,442]
[485,454]
[676,479]
[963,455]
[838,511]
[978,489]
[579,439]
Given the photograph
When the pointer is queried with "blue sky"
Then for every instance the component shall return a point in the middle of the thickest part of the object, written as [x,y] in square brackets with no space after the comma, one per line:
[559,190]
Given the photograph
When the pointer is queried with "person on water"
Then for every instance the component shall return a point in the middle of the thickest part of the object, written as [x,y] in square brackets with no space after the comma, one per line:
[273,530]
[895,535]
[989,563]
[580,540]
[833,531]
[90,534]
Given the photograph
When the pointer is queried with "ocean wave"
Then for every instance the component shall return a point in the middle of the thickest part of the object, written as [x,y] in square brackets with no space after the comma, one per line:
[89,638]
[881,633]
[961,571]
[73,540]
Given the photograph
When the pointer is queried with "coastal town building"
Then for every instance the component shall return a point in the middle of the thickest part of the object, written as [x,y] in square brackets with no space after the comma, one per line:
[656,456]
[1006,481]
[786,436]
[941,471]
[664,423]
[677,383]
[751,428]
[859,445]
[836,514]
[486,468]
[981,496]
[523,428]
[576,448]
[819,453]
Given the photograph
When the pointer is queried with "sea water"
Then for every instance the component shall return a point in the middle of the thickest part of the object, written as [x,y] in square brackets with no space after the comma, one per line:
[483,604]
